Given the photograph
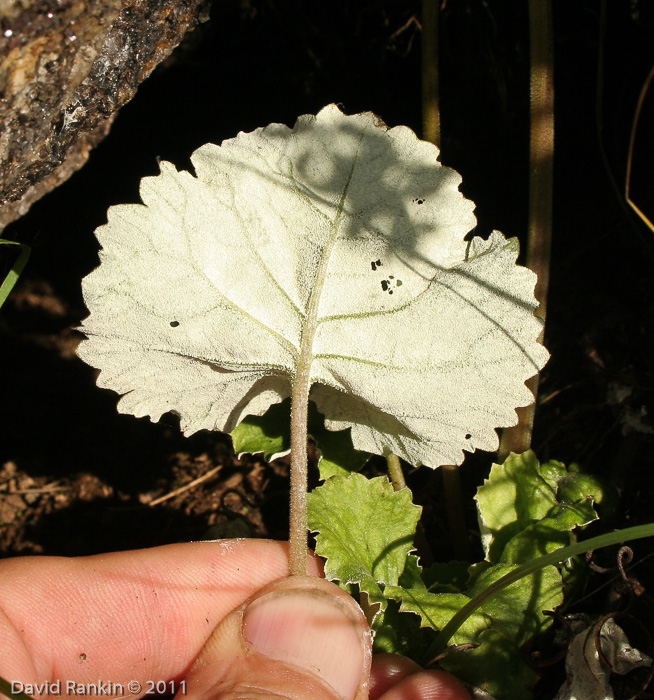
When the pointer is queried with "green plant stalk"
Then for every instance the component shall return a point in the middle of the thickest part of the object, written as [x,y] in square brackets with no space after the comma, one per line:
[395,471]
[431,121]
[16,269]
[422,545]
[557,557]
[541,170]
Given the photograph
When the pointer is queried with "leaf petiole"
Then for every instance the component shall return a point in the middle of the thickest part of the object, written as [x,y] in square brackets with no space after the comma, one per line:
[299,473]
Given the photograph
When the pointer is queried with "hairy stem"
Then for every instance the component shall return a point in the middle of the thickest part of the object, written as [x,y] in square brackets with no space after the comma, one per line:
[300,388]
[541,167]
[299,472]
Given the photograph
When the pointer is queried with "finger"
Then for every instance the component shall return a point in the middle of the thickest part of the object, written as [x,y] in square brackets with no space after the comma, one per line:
[387,670]
[140,615]
[301,638]
[428,685]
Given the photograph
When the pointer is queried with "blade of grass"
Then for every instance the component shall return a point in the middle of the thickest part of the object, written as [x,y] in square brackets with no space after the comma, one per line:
[623,201]
[16,269]
[5,689]
[632,139]
[557,557]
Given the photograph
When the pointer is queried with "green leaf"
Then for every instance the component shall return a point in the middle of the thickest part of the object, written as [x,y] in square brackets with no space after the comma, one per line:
[365,531]
[517,610]
[525,510]
[437,609]
[576,486]
[411,577]
[337,454]
[535,565]
[335,252]
[548,534]
[434,610]
[271,435]
[447,577]
[515,494]
[516,615]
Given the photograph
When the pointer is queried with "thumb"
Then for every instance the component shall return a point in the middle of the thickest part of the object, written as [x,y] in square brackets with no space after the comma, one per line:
[299,638]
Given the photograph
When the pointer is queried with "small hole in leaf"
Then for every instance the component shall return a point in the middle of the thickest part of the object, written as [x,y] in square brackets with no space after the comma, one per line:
[468,436]
[418,200]
[375,264]
[384,285]
[398,283]
[174,324]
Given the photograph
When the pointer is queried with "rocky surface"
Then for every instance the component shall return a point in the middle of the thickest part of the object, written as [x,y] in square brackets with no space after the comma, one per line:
[66,68]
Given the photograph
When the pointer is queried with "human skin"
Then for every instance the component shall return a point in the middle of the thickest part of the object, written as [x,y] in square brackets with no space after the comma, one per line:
[222,616]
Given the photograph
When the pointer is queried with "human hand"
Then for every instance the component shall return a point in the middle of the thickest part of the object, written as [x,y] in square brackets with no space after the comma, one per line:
[207,620]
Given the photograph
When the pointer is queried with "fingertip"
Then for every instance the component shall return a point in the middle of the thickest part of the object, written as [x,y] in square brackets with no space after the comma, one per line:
[300,637]
[311,625]
[428,685]
[387,670]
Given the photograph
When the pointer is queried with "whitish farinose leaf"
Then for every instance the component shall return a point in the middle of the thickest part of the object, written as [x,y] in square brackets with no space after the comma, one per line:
[335,248]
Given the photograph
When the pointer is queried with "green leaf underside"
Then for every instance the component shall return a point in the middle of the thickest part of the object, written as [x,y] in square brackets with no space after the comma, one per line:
[417,341]
[384,521]
[270,434]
